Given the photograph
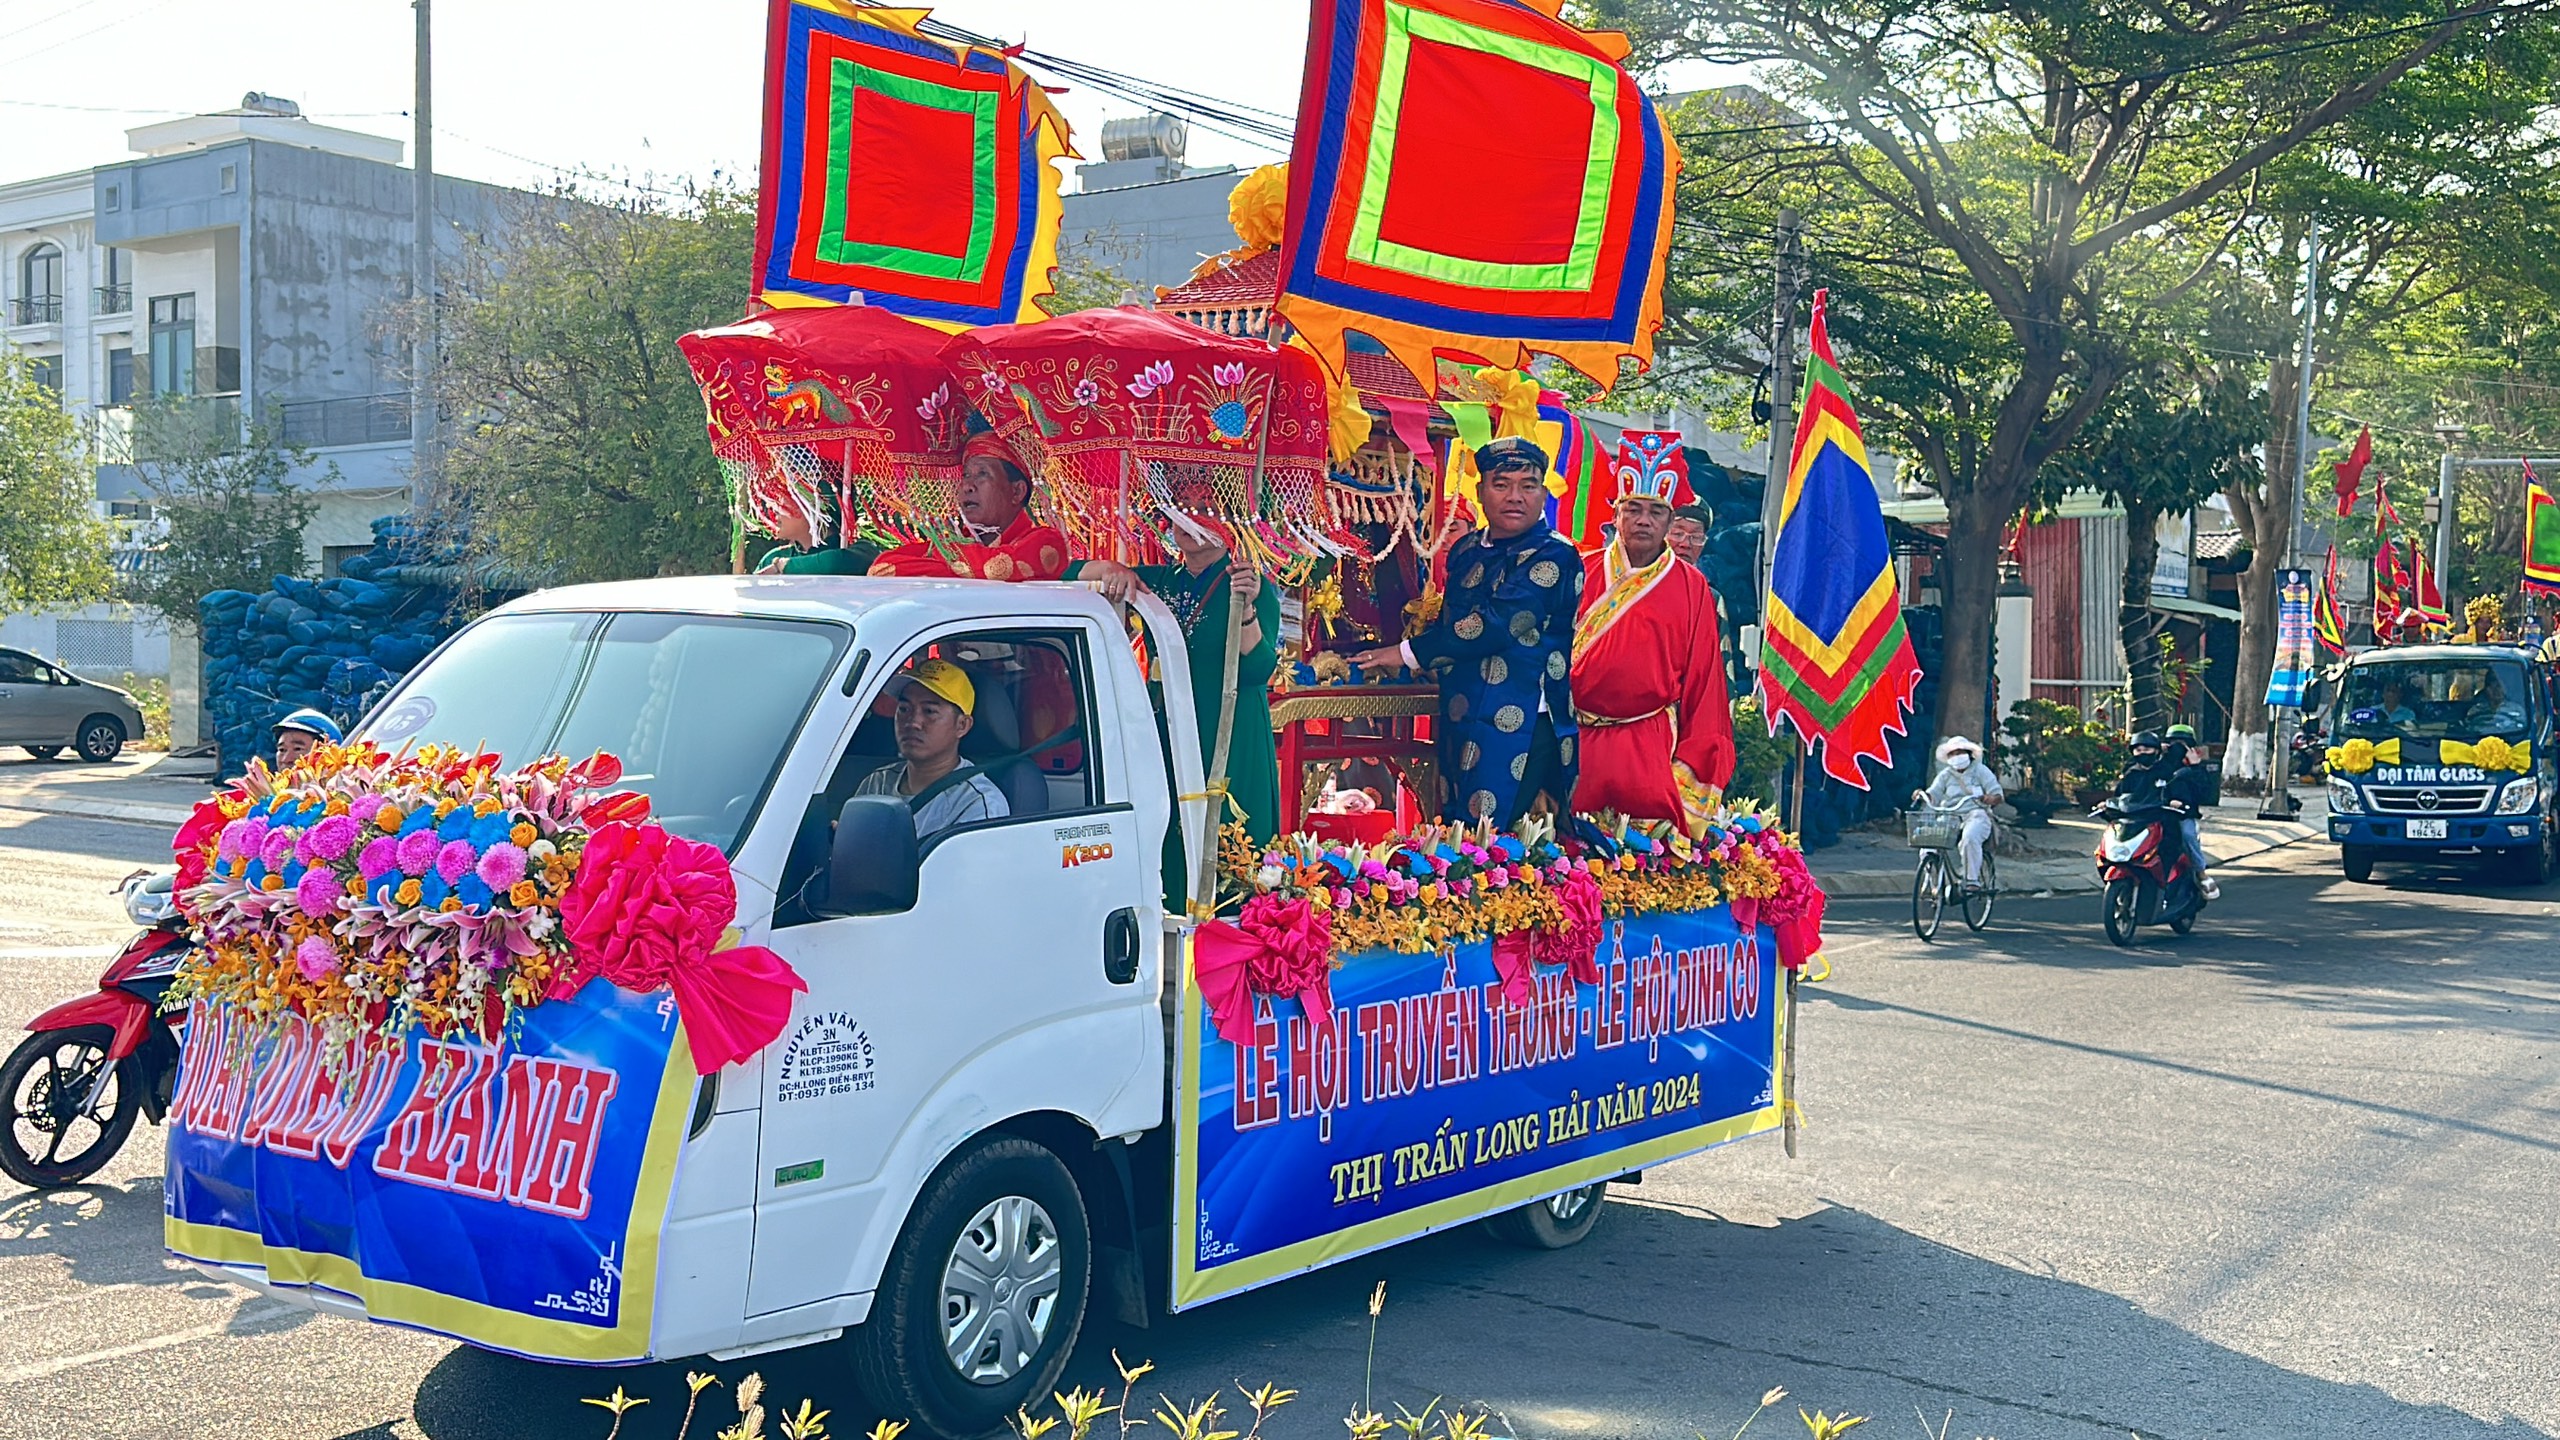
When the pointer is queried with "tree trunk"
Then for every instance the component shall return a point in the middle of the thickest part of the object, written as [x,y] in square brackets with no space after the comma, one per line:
[2137,624]
[2269,519]
[1968,586]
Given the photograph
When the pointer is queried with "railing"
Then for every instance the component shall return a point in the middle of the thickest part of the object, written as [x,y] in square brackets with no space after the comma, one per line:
[115,299]
[165,430]
[36,310]
[353,420]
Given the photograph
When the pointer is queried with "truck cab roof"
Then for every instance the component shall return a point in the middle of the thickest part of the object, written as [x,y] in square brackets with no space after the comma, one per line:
[818,597]
[2394,654]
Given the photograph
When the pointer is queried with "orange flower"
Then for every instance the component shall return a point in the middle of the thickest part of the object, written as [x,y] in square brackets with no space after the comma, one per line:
[408,892]
[524,892]
[388,819]
[523,834]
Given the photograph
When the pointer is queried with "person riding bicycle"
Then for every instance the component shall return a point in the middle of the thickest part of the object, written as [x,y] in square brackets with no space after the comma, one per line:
[1965,784]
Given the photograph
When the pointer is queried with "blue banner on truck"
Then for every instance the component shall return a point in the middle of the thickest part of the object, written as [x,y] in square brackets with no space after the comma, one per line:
[508,1196]
[1432,1102]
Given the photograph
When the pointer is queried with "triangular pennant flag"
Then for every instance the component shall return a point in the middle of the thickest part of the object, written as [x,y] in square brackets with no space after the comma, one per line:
[2328,621]
[2348,473]
[1835,662]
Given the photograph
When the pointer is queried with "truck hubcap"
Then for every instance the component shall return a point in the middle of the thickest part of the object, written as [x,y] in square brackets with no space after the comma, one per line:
[1000,1290]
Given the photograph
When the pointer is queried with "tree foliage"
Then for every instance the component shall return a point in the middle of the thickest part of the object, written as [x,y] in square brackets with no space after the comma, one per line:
[229,512]
[579,451]
[2061,167]
[53,550]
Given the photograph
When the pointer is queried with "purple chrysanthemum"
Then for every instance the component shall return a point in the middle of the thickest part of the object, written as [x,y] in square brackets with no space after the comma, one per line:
[418,851]
[331,838]
[319,891]
[503,866]
[317,957]
[455,860]
[380,858]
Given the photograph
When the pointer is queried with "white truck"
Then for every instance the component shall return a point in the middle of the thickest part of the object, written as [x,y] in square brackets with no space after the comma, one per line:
[998,1102]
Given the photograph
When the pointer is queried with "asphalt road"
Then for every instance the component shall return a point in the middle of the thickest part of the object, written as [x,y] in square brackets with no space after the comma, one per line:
[2292,1176]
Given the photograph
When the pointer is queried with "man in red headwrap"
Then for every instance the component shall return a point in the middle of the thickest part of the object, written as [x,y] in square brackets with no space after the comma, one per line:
[1648,672]
[994,496]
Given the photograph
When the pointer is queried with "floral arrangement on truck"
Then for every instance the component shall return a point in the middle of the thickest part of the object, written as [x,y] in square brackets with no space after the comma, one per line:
[367,893]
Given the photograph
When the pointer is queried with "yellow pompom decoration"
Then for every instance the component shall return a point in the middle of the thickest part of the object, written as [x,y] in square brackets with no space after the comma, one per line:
[1259,207]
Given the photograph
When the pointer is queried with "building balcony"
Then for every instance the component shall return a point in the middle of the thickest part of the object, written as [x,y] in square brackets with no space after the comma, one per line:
[114,300]
[36,310]
[168,430]
[354,420]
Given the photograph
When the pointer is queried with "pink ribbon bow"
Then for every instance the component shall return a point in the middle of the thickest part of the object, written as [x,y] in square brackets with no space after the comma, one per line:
[1275,947]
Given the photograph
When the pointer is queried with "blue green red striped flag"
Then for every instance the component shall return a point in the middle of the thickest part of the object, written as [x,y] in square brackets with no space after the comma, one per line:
[1835,661]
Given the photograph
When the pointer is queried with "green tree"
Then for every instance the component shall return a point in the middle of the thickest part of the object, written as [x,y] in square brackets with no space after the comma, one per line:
[231,515]
[2056,155]
[53,550]
[579,452]
[2171,437]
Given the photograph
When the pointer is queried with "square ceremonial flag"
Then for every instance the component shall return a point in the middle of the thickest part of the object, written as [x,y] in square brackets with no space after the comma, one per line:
[1477,177]
[2541,536]
[903,172]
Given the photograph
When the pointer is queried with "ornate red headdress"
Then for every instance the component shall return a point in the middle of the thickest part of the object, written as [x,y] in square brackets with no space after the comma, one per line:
[1652,466]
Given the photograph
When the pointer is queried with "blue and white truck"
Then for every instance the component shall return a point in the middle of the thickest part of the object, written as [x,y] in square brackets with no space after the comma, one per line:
[2445,752]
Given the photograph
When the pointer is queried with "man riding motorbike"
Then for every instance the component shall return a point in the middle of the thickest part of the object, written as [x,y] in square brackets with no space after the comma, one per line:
[2159,777]
[2190,787]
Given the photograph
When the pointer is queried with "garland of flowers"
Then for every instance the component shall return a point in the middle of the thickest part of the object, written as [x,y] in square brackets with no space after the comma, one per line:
[1539,895]
[367,892]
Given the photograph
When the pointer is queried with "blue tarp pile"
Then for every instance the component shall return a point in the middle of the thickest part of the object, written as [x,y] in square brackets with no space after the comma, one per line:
[333,645]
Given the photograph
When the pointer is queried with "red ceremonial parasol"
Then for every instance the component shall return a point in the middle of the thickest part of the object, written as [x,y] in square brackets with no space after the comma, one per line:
[1129,417]
[835,414]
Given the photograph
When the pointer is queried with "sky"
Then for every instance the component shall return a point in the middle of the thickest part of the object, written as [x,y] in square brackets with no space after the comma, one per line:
[526,89]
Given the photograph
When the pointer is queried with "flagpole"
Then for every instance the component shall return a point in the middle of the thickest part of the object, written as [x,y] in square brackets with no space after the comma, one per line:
[1782,435]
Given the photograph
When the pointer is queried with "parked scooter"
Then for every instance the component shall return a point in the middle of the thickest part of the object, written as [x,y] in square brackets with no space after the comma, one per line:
[2150,878]
[2310,753]
[70,1092]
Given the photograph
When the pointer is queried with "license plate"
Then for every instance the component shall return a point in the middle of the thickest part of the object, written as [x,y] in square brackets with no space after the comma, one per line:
[2426,829]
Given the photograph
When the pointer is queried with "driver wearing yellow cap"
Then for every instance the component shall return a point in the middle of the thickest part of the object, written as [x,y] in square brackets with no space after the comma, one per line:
[936,707]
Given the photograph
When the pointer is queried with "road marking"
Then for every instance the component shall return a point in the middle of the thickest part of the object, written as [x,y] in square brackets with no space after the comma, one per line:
[241,1322]
[57,952]
[85,1293]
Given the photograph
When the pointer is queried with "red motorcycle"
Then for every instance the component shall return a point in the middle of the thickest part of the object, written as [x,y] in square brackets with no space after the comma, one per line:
[70,1092]
[2150,877]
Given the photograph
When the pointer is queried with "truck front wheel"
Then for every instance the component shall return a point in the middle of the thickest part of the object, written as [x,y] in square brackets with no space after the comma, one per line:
[2359,863]
[984,1295]
[1553,1223]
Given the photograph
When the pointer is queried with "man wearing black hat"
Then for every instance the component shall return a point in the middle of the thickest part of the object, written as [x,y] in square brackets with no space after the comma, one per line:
[1503,647]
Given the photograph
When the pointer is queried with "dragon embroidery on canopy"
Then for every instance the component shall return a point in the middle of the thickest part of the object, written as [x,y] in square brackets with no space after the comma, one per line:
[801,401]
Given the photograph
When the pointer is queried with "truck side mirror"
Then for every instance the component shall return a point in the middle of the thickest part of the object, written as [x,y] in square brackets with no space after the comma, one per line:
[874,863]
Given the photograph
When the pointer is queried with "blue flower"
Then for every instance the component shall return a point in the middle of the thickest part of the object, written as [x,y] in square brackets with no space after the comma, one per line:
[422,818]
[489,829]
[433,891]
[379,892]
[457,826]
[474,892]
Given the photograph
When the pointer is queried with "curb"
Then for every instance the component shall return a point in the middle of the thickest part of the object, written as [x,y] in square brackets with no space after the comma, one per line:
[164,816]
[2059,877]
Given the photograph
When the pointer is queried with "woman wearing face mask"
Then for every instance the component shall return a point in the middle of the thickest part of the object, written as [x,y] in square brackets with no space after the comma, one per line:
[1965,783]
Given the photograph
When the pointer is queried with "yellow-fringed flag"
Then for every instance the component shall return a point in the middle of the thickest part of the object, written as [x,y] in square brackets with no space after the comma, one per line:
[2541,536]
[1836,662]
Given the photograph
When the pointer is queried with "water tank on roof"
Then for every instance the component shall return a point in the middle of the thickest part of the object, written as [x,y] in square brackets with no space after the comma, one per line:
[1145,137]
[261,103]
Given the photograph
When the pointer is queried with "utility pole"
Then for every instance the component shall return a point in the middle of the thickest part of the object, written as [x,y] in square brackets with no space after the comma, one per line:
[426,440]
[2278,801]
[1782,391]
[2446,468]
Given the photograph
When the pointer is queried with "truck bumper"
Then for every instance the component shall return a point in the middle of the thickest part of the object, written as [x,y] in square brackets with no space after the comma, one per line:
[2461,832]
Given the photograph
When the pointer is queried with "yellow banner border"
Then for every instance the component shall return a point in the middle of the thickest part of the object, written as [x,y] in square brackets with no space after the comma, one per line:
[488,1326]
[1193,1287]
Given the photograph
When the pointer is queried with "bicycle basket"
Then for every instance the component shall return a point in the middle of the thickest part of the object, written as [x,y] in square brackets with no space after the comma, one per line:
[1933,829]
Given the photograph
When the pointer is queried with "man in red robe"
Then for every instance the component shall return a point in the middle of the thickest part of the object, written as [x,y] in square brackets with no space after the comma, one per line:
[1007,544]
[1648,682]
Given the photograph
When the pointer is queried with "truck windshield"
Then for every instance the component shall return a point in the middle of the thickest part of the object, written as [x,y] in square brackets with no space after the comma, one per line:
[700,709]
[2461,699]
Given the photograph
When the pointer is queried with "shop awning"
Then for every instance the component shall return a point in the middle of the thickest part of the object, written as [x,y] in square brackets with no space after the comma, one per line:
[2180,605]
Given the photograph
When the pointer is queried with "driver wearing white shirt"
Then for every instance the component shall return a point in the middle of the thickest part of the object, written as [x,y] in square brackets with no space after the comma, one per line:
[937,704]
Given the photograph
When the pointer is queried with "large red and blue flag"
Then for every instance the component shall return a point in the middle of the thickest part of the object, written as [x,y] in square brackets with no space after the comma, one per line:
[903,172]
[1835,661]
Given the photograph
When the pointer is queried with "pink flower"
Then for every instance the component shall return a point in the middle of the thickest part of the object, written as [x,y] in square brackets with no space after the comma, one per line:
[319,891]
[455,860]
[1498,878]
[380,858]
[317,957]
[503,866]
[645,904]
[331,838]
[243,837]
[276,849]
[418,851]
[363,808]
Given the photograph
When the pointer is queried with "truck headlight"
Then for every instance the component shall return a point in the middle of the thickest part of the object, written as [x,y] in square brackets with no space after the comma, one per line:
[2520,796]
[2344,798]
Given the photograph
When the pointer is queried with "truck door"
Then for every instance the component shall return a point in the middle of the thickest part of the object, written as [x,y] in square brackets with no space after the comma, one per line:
[1024,979]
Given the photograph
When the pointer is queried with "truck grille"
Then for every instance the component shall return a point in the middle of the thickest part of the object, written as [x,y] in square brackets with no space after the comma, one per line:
[2414,799]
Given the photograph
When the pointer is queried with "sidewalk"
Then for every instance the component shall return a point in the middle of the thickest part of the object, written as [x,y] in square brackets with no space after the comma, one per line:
[2059,856]
[137,788]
